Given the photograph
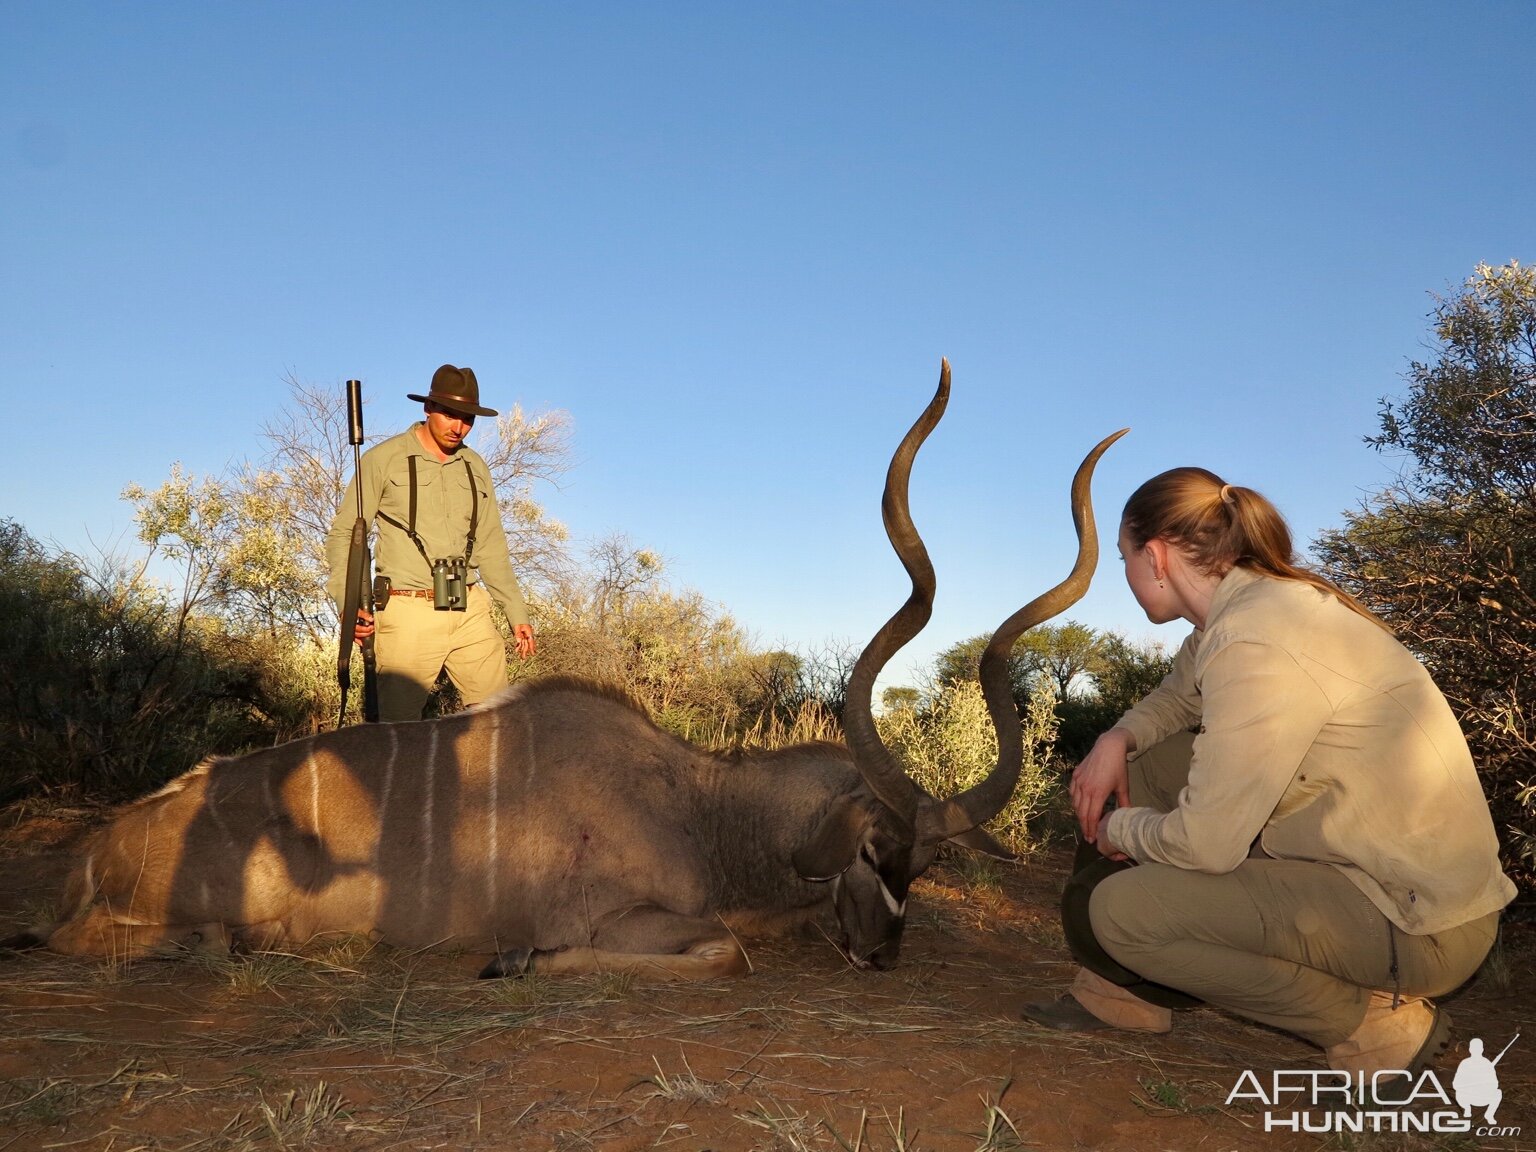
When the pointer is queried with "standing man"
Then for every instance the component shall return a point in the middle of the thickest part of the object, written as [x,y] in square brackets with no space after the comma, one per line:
[430,499]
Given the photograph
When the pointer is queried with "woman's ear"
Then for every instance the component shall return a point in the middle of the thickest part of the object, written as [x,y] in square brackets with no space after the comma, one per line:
[1157,554]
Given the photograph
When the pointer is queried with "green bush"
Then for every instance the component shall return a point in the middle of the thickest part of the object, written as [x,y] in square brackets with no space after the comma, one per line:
[951,744]
[105,690]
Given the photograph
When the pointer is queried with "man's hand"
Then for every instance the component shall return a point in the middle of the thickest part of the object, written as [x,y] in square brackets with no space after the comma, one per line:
[522,636]
[364,626]
[1103,773]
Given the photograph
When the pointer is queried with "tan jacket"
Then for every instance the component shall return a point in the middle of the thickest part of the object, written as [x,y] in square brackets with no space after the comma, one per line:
[1321,736]
[442,520]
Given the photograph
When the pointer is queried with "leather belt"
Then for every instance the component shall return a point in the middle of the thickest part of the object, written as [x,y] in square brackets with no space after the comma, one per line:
[424,593]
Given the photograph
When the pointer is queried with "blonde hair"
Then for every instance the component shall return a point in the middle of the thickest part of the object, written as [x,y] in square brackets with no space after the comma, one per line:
[1221,526]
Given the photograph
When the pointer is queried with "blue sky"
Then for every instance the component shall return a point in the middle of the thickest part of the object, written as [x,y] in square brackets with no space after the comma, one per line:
[733,242]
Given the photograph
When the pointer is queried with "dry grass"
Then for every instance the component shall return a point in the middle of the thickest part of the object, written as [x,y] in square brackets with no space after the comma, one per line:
[812,721]
[241,1045]
[686,1086]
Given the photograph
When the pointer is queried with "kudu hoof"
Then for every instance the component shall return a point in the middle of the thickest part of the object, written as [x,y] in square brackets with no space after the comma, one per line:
[512,962]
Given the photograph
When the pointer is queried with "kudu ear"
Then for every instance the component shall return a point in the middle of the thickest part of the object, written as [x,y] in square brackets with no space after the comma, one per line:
[930,835]
[977,839]
[835,842]
[980,840]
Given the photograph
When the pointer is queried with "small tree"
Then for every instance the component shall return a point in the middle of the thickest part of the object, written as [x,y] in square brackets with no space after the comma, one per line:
[1124,672]
[1447,555]
[961,660]
[189,522]
[678,653]
[1066,654]
[528,451]
[1127,671]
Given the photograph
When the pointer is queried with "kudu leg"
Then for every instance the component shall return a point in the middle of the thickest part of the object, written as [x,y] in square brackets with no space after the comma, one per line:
[652,943]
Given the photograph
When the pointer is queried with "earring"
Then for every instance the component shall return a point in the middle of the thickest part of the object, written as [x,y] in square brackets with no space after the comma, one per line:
[1159,583]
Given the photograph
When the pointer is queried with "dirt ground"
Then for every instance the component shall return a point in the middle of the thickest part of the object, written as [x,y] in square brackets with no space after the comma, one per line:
[363,1047]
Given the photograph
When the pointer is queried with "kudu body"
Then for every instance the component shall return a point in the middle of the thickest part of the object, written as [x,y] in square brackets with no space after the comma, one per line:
[555,825]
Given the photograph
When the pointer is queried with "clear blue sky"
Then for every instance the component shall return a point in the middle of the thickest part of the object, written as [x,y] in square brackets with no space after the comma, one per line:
[734,240]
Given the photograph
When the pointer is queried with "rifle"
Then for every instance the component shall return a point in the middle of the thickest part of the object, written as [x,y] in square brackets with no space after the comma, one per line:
[359,587]
[1507,1047]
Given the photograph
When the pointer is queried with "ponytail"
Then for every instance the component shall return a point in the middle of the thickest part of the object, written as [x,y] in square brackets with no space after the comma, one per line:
[1221,526]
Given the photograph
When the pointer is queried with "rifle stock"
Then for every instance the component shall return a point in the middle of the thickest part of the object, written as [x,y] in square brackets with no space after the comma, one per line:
[370,670]
[359,586]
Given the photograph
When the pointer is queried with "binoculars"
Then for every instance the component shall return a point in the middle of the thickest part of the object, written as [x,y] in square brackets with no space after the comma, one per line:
[450,584]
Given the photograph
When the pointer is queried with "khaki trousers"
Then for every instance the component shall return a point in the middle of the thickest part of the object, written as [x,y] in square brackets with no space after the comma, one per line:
[414,642]
[1292,944]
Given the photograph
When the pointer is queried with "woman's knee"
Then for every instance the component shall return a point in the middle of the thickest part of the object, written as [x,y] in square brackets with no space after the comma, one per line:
[1076,925]
[1444,962]
[1123,912]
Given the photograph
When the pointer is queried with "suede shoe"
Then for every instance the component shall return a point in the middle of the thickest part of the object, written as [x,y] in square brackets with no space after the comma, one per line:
[1093,1004]
[1118,1007]
[1407,1037]
[1063,1014]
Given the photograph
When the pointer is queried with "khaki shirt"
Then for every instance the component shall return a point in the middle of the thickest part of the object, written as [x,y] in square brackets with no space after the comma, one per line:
[442,520]
[1323,738]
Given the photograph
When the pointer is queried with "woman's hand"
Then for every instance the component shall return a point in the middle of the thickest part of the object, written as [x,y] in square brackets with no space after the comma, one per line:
[1102,774]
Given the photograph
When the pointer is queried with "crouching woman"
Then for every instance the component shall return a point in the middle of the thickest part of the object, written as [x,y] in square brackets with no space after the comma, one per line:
[1314,849]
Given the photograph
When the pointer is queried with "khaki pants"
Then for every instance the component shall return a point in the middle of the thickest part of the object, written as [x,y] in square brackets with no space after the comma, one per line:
[415,642]
[1292,944]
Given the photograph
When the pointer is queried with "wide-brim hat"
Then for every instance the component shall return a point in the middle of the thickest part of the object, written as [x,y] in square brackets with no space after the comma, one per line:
[455,389]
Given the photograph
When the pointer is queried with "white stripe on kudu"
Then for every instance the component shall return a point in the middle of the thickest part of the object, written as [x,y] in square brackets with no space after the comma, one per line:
[378,842]
[219,822]
[314,794]
[426,818]
[491,847]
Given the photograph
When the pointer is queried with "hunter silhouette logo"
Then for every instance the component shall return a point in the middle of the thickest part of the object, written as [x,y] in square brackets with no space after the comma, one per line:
[1389,1100]
[1476,1083]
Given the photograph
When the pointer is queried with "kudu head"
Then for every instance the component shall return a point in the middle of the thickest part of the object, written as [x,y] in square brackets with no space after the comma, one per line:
[873,843]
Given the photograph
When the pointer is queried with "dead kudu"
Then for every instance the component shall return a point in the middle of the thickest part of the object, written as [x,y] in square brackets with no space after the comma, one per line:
[556,826]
